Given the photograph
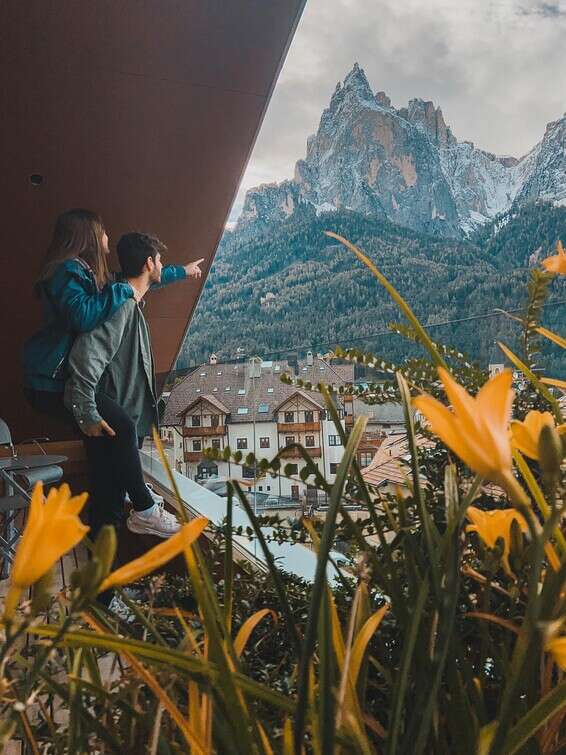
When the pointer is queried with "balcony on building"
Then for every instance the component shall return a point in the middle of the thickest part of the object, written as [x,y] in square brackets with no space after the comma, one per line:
[204,432]
[298,427]
[294,453]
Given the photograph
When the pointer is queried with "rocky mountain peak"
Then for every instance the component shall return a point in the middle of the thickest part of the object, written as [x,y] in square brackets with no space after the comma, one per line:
[406,165]
[382,99]
[356,81]
[424,114]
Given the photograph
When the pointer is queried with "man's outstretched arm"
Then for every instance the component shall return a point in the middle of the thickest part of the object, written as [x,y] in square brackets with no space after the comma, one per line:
[173,273]
[91,354]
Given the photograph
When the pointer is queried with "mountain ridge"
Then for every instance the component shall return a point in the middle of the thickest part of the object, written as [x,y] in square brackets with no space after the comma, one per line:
[292,284]
[406,165]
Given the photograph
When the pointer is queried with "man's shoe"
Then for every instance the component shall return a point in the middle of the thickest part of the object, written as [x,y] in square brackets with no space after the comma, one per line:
[159,522]
[121,609]
[156,497]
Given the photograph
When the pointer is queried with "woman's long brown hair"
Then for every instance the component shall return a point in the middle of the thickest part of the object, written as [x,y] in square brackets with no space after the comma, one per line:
[77,233]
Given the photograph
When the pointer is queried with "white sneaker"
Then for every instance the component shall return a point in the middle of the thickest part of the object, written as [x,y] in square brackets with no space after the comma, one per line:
[160,523]
[156,497]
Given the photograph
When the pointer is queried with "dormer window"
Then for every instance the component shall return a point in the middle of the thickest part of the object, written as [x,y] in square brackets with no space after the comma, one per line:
[227,388]
[203,374]
[270,390]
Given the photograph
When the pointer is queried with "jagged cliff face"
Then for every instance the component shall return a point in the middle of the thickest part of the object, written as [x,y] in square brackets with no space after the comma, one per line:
[547,177]
[407,166]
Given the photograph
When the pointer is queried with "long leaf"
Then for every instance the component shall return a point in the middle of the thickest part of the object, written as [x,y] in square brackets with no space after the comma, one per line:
[326,541]
[431,536]
[326,707]
[188,732]
[190,665]
[531,722]
[180,505]
[229,562]
[533,379]
[273,571]
[554,337]
[538,495]
[397,298]
[237,715]
[363,637]
[245,631]
[404,669]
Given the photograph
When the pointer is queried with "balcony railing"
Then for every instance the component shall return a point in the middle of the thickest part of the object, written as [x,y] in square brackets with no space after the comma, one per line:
[193,456]
[204,432]
[198,501]
[293,453]
[298,427]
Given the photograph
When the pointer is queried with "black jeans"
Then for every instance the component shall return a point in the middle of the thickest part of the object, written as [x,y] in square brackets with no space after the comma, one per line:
[114,463]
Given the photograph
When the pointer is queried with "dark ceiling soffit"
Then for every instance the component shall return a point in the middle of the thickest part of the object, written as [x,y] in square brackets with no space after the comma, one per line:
[161,378]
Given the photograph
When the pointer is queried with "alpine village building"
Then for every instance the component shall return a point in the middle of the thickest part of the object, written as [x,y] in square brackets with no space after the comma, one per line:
[246,406]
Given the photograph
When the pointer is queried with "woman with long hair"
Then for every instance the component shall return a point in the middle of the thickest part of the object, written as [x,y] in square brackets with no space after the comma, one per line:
[77,293]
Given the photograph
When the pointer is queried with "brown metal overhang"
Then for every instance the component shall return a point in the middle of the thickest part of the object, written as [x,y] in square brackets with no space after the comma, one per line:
[145,111]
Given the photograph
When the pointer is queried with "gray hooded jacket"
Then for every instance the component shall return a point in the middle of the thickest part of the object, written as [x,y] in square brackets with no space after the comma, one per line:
[115,358]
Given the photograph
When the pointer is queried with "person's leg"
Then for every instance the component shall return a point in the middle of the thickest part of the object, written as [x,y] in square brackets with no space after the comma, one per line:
[125,459]
[125,471]
[106,505]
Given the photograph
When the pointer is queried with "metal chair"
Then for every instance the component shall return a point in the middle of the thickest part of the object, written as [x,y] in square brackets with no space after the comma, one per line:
[19,475]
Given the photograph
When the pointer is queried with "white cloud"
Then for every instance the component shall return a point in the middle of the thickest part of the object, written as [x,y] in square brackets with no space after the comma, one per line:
[495,67]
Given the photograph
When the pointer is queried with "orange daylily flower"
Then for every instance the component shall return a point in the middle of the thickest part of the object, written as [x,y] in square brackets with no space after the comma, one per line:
[492,525]
[557,648]
[157,556]
[52,529]
[556,263]
[525,434]
[477,430]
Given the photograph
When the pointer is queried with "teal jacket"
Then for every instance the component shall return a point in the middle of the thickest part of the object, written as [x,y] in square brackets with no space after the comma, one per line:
[73,304]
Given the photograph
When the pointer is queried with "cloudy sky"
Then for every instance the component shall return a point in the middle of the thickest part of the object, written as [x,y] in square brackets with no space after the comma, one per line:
[496,68]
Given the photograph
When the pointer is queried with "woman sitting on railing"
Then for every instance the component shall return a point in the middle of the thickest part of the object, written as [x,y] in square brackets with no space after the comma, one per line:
[78,293]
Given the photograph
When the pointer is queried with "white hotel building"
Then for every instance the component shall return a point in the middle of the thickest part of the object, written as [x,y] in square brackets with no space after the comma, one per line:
[247,407]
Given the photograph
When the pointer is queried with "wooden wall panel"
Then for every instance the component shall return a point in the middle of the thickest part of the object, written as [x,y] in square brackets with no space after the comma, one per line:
[145,111]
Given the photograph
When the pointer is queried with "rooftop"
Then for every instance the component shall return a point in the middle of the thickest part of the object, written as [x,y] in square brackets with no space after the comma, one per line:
[232,386]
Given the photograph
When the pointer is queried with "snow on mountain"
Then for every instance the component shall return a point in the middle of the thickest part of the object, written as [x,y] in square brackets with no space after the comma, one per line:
[407,166]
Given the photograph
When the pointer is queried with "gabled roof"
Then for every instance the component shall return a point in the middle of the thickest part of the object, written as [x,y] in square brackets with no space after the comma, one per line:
[211,400]
[307,397]
[231,385]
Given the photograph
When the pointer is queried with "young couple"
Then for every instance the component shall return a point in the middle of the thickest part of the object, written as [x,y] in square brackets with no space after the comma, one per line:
[91,363]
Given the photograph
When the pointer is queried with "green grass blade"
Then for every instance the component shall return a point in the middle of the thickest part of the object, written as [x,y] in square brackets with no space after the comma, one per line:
[531,722]
[326,712]
[228,562]
[397,298]
[195,668]
[319,586]
[402,682]
[389,583]
[538,495]
[432,538]
[273,570]
[534,381]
